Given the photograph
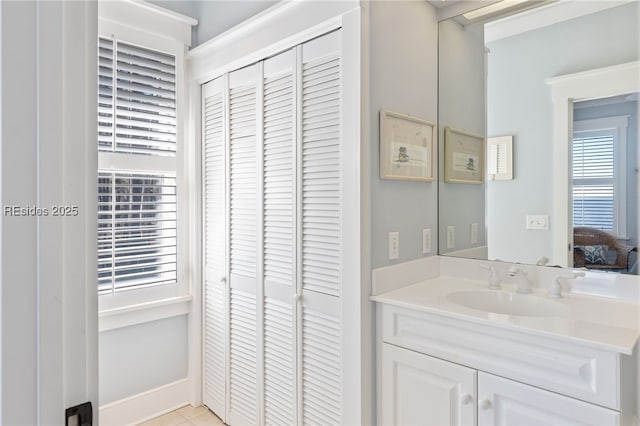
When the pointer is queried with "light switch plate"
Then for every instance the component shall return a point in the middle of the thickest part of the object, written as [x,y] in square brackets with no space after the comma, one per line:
[426,240]
[538,221]
[394,245]
[474,233]
[451,236]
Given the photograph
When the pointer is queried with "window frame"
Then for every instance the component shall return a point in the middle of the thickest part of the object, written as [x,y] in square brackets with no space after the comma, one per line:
[135,298]
[616,126]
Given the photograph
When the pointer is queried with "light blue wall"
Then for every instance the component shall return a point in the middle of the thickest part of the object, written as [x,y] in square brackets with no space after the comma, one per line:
[214,16]
[217,16]
[142,357]
[403,78]
[461,98]
[519,104]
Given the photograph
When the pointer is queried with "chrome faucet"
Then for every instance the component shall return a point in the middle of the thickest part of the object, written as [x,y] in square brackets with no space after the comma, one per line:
[555,289]
[523,284]
[494,279]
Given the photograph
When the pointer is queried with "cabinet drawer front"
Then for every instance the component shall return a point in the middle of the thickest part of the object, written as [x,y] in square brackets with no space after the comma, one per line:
[421,390]
[571,369]
[505,402]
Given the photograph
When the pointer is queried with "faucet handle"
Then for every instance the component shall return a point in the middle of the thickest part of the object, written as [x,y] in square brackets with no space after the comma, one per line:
[555,289]
[494,279]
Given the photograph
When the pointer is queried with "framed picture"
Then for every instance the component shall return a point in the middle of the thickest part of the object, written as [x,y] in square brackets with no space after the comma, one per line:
[464,157]
[407,148]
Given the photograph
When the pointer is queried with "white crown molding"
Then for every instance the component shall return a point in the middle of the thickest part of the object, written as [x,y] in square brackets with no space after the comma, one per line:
[149,18]
[270,32]
[451,9]
[544,16]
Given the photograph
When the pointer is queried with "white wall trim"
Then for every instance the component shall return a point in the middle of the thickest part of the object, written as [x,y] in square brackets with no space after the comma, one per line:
[147,405]
[144,312]
[545,16]
[286,24]
[368,308]
[459,7]
[193,179]
[597,83]
[354,315]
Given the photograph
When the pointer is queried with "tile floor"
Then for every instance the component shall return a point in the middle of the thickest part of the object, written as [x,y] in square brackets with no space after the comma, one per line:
[186,416]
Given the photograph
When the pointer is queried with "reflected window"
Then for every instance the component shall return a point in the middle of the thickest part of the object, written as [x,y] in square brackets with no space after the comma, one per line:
[599,190]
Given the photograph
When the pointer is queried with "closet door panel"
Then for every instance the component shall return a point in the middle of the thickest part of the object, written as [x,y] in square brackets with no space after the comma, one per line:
[320,162]
[279,358]
[321,200]
[278,156]
[215,291]
[279,227]
[243,247]
[321,360]
[243,372]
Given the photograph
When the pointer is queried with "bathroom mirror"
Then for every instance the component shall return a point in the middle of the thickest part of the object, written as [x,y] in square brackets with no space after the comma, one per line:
[497,78]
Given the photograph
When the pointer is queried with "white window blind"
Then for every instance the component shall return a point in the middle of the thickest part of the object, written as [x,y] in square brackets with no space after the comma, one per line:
[137,209]
[593,181]
[136,230]
[143,84]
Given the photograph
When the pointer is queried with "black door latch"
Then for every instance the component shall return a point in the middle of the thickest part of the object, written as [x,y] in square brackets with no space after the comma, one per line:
[83,414]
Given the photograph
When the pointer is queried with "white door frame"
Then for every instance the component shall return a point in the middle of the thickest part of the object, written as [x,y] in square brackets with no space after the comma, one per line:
[49,302]
[565,90]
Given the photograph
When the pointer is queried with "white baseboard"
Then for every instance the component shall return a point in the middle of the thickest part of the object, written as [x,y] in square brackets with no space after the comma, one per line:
[144,406]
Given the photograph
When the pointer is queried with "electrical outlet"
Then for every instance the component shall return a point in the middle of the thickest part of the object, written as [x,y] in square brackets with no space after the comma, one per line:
[451,236]
[538,221]
[426,240]
[394,245]
[474,233]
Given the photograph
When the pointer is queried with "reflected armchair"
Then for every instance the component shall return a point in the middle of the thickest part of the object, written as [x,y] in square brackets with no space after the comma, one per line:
[591,247]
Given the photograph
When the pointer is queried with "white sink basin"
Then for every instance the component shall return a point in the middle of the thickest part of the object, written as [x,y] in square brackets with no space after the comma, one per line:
[501,302]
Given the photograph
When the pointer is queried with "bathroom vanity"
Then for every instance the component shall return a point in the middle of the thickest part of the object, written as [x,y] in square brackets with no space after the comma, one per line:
[453,352]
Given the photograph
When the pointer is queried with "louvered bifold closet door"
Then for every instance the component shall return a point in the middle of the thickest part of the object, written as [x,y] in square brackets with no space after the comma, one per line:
[279,239]
[321,201]
[244,247]
[215,237]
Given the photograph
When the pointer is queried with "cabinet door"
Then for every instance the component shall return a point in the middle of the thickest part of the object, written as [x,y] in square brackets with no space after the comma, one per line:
[421,390]
[505,402]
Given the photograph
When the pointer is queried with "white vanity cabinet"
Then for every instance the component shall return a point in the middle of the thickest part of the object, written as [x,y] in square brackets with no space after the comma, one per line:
[418,389]
[506,402]
[437,370]
[421,390]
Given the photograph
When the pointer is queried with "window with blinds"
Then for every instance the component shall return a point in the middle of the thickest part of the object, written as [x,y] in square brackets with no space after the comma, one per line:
[137,209]
[136,100]
[594,180]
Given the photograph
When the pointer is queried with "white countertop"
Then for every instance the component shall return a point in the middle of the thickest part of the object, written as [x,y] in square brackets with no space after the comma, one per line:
[598,322]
